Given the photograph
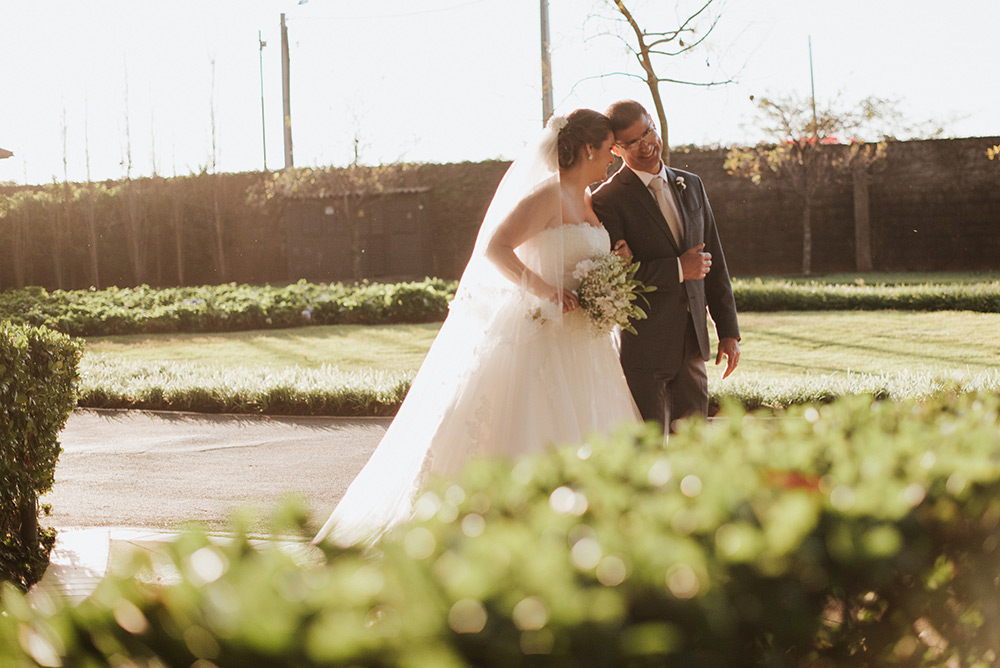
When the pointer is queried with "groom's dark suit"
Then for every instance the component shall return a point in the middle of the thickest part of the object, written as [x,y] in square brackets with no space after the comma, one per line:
[668,352]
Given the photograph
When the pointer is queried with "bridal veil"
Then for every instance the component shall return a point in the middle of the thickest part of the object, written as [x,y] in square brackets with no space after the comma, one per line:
[446,412]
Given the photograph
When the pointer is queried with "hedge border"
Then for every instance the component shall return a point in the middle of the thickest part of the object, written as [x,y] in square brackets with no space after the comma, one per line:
[38,388]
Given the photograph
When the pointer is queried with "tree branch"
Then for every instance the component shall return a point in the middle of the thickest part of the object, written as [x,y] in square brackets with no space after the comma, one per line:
[688,47]
[696,15]
[599,76]
[645,48]
[621,39]
[640,37]
[694,83]
[665,36]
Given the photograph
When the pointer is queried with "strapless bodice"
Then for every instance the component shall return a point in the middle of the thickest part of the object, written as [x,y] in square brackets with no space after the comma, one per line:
[557,250]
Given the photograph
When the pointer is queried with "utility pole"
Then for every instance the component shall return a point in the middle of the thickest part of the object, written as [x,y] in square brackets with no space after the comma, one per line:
[286,101]
[263,126]
[546,64]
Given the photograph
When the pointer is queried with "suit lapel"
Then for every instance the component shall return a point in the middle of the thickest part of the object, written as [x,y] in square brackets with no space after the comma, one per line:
[640,193]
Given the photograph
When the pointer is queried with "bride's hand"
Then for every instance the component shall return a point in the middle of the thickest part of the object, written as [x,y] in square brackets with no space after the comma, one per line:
[568,300]
[622,250]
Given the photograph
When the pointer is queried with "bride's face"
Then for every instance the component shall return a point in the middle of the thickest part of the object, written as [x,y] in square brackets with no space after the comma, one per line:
[603,157]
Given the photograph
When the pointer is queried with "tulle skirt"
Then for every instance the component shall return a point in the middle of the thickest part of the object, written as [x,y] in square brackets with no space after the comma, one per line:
[517,384]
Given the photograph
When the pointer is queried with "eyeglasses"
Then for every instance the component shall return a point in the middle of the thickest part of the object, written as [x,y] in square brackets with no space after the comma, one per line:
[643,139]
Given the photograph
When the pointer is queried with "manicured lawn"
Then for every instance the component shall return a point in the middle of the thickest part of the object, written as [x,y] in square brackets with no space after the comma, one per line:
[786,358]
[348,347]
[870,342]
[774,343]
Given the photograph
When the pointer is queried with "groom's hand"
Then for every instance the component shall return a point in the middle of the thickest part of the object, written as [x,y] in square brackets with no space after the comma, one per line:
[730,347]
[622,250]
[695,263]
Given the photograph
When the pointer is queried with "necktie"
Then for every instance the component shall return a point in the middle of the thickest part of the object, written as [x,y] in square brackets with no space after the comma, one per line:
[665,200]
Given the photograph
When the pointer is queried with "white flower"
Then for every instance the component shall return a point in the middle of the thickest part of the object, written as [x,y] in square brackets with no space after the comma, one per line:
[583,267]
[607,292]
[557,123]
[680,183]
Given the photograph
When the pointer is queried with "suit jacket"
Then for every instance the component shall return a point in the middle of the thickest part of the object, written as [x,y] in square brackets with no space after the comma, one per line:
[629,211]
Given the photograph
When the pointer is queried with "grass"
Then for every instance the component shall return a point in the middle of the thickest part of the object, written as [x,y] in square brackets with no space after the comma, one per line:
[872,342]
[797,357]
[786,358]
[350,348]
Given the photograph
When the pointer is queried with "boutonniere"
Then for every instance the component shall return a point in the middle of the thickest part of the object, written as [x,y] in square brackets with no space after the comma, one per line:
[679,182]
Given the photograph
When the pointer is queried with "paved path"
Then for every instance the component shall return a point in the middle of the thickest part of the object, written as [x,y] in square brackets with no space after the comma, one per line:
[126,479]
[158,470]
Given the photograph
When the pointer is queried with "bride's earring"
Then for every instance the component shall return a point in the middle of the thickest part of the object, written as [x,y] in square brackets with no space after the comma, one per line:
[590,156]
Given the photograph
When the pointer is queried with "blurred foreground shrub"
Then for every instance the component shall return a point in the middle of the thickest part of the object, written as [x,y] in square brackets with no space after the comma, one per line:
[859,533]
[38,382]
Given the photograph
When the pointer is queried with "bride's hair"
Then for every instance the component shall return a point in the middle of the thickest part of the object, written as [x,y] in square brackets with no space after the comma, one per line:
[625,113]
[584,127]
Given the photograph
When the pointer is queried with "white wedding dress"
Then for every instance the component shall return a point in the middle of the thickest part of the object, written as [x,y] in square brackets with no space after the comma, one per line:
[521,382]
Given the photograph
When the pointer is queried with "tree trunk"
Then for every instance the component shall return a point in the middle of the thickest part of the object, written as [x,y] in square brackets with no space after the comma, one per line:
[807,235]
[862,218]
[133,228]
[95,273]
[178,239]
[58,225]
[220,247]
[63,225]
[661,115]
[17,246]
[354,215]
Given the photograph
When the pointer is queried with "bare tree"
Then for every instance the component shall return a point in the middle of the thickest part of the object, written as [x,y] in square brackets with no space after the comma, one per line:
[90,212]
[152,142]
[173,191]
[652,48]
[18,217]
[60,219]
[132,217]
[217,222]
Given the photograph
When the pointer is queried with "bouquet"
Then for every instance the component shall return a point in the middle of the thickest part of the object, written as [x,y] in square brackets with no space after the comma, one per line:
[608,292]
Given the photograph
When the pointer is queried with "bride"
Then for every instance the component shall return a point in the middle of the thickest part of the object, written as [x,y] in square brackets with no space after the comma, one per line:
[515,367]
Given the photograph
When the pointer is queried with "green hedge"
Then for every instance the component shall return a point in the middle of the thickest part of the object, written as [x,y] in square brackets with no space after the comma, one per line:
[854,534]
[145,310]
[780,295]
[38,382]
[107,382]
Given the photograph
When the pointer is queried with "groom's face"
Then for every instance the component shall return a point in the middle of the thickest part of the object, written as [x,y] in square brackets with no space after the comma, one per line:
[639,146]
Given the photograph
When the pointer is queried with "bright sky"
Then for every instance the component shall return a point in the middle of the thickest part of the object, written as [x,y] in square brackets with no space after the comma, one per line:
[440,80]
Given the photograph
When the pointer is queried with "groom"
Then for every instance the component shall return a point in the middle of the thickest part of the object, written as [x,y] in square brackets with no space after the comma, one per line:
[664,216]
